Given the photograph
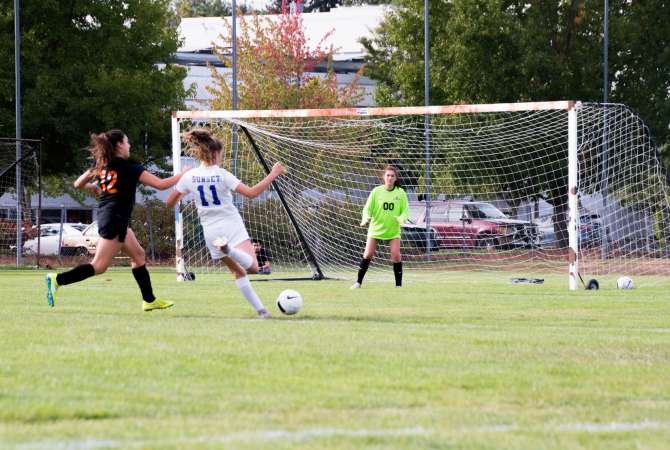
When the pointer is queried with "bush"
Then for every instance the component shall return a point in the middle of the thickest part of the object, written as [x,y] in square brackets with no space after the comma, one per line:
[154,215]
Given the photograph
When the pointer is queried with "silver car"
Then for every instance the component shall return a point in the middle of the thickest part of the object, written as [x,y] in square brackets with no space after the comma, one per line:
[49,233]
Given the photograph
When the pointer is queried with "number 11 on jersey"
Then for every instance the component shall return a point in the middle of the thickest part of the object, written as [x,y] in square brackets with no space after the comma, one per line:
[203,200]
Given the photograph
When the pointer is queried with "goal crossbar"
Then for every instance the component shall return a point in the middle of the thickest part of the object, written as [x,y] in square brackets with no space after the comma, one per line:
[365,112]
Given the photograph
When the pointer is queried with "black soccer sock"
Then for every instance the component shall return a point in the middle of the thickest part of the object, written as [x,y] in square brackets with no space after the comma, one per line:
[79,273]
[362,268]
[141,275]
[397,271]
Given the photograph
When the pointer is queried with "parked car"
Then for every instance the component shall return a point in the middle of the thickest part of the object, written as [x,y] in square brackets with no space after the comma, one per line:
[589,231]
[415,236]
[460,223]
[546,232]
[49,234]
[84,244]
[590,228]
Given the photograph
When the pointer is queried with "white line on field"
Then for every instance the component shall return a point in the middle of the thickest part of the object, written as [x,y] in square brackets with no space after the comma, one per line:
[316,433]
[86,444]
[614,427]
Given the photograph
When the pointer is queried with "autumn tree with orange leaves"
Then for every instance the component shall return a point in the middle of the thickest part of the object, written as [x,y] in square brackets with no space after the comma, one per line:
[276,67]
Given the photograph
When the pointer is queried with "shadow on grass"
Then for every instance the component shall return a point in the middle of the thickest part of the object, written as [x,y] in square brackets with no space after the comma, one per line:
[56,416]
[173,314]
[407,320]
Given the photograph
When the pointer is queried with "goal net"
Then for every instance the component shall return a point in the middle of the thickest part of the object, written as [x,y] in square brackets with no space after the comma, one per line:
[19,197]
[525,189]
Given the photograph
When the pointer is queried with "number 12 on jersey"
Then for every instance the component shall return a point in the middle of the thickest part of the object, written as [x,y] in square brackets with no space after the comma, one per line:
[203,199]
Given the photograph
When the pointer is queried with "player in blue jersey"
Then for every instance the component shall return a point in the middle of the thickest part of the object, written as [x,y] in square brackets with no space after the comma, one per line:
[225,235]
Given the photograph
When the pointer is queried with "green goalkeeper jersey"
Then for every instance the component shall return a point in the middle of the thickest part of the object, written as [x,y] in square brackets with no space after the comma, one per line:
[386,210]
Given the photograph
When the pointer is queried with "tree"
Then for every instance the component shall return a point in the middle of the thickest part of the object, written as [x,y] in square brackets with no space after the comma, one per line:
[203,8]
[276,71]
[275,68]
[365,2]
[640,62]
[322,5]
[283,6]
[90,66]
[514,50]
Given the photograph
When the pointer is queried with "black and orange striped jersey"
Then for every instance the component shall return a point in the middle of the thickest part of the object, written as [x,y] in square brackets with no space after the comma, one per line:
[118,183]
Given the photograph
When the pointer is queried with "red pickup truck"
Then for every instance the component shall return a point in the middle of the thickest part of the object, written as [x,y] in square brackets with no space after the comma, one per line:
[459,223]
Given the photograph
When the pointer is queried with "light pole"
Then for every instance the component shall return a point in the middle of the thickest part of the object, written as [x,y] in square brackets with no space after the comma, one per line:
[426,120]
[234,93]
[605,52]
[604,250]
[17,113]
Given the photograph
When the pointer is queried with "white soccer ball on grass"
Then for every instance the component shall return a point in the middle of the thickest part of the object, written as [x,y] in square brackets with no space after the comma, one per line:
[289,301]
[624,283]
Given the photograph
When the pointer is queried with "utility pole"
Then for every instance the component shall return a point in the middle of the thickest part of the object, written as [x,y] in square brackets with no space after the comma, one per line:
[17,96]
[426,121]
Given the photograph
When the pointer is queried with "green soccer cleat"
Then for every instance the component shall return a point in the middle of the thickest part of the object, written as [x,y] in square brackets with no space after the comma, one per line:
[52,288]
[156,304]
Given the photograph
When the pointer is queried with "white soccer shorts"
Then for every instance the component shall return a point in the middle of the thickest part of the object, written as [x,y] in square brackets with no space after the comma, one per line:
[232,228]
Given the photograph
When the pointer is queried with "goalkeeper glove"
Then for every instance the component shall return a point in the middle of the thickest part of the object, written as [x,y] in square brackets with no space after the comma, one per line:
[401,220]
[365,221]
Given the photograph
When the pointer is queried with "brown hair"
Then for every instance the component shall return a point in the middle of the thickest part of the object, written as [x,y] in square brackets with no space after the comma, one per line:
[395,170]
[202,145]
[103,146]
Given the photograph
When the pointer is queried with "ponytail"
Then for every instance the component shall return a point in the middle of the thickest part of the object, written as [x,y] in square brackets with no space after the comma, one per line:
[103,146]
[202,145]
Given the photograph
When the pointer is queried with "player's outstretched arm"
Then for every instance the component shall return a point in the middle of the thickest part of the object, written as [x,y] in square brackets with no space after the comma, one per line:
[161,184]
[368,210]
[261,186]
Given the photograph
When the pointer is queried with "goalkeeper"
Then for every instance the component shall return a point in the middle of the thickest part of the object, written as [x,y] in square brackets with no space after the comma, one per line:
[385,210]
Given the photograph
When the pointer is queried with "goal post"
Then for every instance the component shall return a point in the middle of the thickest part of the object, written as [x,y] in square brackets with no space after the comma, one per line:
[182,274]
[573,201]
[20,199]
[518,188]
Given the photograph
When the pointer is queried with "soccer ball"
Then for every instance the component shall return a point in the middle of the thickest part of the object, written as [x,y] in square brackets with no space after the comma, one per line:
[289,301]
[624,283]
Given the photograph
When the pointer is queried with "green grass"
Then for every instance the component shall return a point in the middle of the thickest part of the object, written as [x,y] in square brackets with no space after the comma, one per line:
[448,361]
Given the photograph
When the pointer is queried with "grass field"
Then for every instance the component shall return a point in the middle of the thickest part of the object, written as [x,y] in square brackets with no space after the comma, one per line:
[448,361]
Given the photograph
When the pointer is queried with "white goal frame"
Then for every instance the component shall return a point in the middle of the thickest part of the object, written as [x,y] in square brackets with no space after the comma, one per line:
[571,107]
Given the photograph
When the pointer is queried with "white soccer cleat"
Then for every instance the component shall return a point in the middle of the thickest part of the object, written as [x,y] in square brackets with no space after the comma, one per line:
[221,243]
[356,285]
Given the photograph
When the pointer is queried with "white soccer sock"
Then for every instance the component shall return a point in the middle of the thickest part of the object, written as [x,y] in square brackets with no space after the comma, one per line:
[243,258]
[244,285]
